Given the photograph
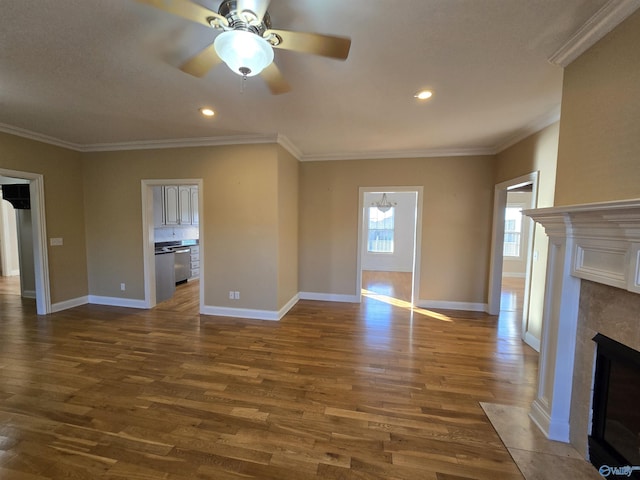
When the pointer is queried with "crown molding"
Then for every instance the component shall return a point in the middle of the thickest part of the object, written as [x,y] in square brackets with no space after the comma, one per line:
[182,143]
[284,142]
[289,146]
[154,144]
[281,140]
[38,137]
[606,19]
[429,153]
[534,127]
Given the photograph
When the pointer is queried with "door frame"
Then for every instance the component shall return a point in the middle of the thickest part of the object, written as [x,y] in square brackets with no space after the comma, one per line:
[417,244]
[148,226]
[497,242]
[39,225]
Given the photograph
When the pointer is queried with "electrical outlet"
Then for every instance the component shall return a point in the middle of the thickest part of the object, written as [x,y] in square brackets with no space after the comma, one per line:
[123,287]
[236,295]
[231,295]
[56,242]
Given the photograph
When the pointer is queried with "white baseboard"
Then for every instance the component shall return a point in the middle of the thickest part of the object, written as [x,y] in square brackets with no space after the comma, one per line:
[532,341]
[553,430]
[288,306]
[29,294]
[240,313]
[444,305]
[513,275]
[380,268]
[67,304]
[117,302]
[329,297]
[540,417]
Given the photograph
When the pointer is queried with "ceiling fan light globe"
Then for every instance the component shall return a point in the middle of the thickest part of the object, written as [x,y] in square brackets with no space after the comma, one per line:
[245,53]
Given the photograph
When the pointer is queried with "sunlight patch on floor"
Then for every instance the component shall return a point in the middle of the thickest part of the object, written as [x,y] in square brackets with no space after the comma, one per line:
[404,304]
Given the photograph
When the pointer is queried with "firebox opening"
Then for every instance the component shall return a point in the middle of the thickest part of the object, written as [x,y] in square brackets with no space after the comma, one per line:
[615,432]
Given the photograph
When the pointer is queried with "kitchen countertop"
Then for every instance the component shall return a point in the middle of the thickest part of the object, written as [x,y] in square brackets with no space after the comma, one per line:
[169,247]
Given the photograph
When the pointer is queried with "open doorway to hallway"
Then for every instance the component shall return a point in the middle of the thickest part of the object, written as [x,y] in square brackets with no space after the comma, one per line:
[388,244]
[17,272]
[9,262]
[512,251]
[516,247]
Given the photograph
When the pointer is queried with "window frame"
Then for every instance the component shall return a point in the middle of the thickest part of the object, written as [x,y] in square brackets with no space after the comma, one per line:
[390,230]
[519,207]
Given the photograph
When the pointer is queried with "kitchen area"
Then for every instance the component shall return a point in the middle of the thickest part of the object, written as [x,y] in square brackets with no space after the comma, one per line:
[176,238]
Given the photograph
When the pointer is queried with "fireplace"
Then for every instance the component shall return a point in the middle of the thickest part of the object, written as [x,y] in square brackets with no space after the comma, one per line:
[615,434]
[592,287]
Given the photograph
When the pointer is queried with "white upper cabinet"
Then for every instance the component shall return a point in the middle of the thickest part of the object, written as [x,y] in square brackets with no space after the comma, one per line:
[195,216]
[158,207]
[179,205]
[171,205]
[184,204]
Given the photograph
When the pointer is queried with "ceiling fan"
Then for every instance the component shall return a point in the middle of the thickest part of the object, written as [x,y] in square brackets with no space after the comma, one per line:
[246,41]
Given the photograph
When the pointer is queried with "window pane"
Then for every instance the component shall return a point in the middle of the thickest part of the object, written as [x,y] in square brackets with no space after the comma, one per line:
[512,230]
[512,246]
[381,230]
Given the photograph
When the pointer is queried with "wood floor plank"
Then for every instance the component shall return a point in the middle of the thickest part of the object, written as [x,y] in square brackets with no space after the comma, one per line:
[335,391]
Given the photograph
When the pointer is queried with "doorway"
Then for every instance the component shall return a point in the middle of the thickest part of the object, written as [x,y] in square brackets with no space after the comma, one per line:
[189,295]
[31,239]
[9,255]
[512,249]
[389,243]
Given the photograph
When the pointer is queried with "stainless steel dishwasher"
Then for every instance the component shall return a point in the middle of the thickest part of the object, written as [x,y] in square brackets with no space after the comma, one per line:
[165,280]
[182,264]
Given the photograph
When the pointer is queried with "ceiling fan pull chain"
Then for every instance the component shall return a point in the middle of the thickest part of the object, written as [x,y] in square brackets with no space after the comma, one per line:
[244,71]
[243,81]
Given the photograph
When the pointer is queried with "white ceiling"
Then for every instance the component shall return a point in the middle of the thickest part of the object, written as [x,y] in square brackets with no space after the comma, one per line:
[95,74]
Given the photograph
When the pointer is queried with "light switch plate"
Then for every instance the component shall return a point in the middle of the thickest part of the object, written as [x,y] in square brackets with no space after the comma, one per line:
[55,242]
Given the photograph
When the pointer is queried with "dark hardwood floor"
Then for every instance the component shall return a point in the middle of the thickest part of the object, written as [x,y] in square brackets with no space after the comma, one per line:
[334,391]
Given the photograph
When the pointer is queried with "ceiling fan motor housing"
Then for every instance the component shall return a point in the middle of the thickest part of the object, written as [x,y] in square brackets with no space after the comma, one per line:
[248,21]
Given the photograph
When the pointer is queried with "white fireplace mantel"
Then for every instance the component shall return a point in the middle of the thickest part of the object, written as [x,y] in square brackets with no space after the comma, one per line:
[599,242]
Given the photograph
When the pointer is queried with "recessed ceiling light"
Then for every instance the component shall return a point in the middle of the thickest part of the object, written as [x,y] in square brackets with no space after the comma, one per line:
[423,95]
[207,112]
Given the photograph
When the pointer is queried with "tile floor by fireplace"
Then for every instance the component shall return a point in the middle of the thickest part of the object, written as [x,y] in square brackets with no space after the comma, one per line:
[536,457]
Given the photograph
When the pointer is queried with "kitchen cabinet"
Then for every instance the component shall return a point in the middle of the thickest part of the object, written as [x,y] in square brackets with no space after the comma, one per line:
[179,205]
[171,199]
[195,261]
[195,215]
[184,205]
[158,208]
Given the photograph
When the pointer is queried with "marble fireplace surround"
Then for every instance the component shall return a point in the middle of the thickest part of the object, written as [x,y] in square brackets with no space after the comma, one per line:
[594,248]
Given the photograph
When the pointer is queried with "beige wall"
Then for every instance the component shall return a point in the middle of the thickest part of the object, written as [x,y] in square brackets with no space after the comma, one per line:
[64,210]
[599,157]
[538,152]
[288,177]
[239,217]
[456,223]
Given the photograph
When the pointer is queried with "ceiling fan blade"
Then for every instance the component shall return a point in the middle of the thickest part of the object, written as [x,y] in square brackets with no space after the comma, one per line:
[314,43]
[258,7]
[200,64]
[183,8]
[276,82]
